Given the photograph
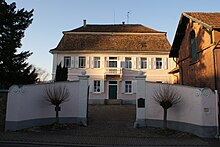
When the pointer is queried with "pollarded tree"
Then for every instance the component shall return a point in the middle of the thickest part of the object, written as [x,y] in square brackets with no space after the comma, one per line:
[166,96]
[13,66]
[56,94]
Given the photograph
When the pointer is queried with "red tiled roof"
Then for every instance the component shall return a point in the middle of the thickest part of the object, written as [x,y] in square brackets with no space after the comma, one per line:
[115,38]
[122,28]
[115,43]
[211,19]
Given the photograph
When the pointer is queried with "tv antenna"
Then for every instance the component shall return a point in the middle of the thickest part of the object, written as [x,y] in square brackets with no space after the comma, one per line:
[128,16]
[114,16]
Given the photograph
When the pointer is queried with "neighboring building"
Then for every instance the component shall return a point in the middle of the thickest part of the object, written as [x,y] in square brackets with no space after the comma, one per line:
[196,45]
[112,56]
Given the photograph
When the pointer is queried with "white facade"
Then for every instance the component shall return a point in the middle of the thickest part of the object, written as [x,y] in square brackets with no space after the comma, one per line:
[112,56]
[115,73]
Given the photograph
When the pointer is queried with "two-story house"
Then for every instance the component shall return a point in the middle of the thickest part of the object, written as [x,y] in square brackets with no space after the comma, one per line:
[112,55]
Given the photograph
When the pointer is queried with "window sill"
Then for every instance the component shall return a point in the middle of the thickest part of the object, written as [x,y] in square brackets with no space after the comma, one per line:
[128,93]
[96,92]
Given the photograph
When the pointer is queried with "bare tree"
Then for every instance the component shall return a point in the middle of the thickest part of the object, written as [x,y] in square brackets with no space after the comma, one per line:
[166,96]
[43,75]
[56,94]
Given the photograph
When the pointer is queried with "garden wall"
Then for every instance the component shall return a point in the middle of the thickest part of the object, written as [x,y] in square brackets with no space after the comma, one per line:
[196,113]
[27,106]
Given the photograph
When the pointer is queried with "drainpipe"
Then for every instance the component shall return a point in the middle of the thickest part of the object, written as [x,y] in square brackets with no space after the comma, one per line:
[216,87]
[181,70]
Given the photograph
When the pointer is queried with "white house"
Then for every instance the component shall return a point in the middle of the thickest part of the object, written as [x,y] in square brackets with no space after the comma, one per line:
[112,56]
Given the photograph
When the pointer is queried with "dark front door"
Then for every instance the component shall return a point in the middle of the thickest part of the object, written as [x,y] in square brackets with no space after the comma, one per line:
[112,90]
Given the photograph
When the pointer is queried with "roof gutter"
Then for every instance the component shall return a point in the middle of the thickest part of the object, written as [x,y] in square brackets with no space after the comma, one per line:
[107,51]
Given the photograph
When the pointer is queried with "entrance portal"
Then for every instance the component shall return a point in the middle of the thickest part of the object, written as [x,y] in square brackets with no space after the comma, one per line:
[113,90]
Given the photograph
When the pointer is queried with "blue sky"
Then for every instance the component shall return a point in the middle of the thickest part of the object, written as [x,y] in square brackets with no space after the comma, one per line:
[51,17]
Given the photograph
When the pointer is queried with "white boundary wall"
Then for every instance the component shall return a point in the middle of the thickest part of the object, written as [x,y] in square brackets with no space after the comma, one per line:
[196,113]
[27,107]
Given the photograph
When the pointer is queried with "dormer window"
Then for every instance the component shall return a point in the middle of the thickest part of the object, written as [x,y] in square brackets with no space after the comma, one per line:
[193,48]
[82,44]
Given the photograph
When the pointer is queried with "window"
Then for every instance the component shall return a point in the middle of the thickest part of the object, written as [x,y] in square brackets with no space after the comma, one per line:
[112,62]
[193,50]
[82,62]
[97,86]
[158,63]
[128,87]
[143,63]
[67,61]
[96,62]
[128,63]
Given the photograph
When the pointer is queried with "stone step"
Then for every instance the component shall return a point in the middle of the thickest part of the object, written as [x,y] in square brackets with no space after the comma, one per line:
[113,102]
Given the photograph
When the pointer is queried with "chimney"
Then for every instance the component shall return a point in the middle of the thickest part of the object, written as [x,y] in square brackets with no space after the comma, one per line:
[123,23]
[84,23]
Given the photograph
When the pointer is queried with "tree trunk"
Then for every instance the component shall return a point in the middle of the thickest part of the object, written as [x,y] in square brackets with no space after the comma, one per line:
[165,118]
[57,109]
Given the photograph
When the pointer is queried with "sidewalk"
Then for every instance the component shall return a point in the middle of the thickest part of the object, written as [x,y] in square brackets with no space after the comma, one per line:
[67,140]
[108,126]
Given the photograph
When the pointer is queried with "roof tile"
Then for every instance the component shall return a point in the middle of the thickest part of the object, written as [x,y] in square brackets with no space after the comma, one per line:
[79,42]
[212,19]
[122,28]
[125,37]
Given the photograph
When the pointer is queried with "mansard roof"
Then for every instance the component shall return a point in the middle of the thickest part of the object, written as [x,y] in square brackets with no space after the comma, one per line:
[113,38]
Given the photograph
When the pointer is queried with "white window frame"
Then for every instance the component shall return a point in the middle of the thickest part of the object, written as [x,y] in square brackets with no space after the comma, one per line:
[128,62]
[97,62]
[144,63]
[82,62]
[128,87]
[97,86]
[112,62]
[67,61]
[159,64]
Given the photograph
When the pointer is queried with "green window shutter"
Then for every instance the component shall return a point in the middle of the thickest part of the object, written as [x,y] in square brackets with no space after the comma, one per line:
[193,47]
